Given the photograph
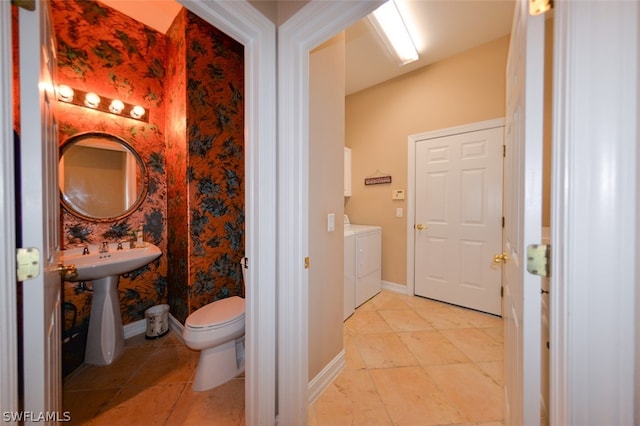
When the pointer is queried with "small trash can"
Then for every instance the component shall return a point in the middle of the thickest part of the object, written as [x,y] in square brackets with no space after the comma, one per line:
[157,321]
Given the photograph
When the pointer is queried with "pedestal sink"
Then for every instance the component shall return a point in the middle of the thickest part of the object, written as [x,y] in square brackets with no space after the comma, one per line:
[105,338]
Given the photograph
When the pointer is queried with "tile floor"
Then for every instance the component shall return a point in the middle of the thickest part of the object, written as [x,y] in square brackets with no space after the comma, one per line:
[415,362]
[409,361]
[150,384]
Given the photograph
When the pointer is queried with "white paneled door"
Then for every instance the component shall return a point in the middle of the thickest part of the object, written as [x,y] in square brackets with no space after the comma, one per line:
[40,217]
[523,213]
[458,216]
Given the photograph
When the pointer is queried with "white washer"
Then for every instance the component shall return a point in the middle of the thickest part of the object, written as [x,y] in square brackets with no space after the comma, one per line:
[363,260]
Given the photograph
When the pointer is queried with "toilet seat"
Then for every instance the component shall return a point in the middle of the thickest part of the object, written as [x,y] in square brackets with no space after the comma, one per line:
[217,314]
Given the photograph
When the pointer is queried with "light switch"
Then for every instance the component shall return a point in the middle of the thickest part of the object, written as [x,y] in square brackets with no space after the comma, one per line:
[331,222]
[399,212]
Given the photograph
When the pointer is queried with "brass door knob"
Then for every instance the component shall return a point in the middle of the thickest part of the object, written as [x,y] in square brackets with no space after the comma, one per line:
[420,227]
[500,258]
[67,272]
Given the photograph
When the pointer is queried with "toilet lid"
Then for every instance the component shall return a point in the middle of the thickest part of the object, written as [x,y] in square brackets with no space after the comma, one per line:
[217,313]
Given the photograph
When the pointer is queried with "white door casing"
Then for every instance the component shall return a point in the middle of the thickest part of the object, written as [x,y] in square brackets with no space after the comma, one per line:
[523,215]
[40,214]
[8,300]
[241,21]
[458,215]
[595,210]
[314,23]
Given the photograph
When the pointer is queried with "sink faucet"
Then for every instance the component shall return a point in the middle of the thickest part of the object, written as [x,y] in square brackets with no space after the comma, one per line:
[85,249]
[104,247]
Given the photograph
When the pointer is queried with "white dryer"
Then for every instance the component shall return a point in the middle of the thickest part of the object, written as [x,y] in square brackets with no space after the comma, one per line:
[363,264]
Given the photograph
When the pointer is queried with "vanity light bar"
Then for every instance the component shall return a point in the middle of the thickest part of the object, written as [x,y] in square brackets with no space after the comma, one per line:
[93,101]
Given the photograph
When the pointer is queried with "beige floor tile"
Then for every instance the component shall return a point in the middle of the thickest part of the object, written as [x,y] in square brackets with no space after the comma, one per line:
[366,321]
[444,317]
[352,399]
[496,332]
[167,364]
[84,405]
[476,395]
[422,303]
[411,397]
[431,347]
[353,360]
[107,376]
[223,405]
[404,320]
[481,319]
[476,344]
[385,300]
[495,369]
[383,350]
[140,405]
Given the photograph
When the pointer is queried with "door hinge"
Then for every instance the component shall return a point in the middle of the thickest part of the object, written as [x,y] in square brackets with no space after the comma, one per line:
[538,259]
[245,263]
[27,263]
[306,262]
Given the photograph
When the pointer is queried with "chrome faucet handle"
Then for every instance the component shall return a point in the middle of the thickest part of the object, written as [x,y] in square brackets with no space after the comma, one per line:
[119,245]
[85,250]
[104,247]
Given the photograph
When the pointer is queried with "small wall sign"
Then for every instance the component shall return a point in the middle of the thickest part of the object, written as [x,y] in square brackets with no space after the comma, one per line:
[377,180]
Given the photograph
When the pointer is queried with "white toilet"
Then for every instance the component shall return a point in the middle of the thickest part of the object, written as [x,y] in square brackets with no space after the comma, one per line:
[217,329]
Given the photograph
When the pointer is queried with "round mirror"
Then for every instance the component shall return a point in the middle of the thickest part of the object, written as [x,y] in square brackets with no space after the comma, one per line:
[101,177]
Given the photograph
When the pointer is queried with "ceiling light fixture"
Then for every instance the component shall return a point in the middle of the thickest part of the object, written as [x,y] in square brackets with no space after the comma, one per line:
[392,30]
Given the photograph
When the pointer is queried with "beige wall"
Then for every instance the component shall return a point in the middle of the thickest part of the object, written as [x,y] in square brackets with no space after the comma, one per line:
[465,88]
[326,249]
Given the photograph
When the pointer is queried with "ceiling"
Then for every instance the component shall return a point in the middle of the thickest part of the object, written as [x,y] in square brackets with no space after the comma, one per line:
[440,28]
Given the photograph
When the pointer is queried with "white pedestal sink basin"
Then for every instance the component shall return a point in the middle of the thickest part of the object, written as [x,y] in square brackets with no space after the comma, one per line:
[105,338]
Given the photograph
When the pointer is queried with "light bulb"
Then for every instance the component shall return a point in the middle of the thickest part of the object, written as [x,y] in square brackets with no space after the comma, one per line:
[65,93]
[116,106]
[137,112]
[92,100]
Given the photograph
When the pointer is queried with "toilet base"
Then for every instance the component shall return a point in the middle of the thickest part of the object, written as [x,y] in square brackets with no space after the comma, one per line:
[219,364]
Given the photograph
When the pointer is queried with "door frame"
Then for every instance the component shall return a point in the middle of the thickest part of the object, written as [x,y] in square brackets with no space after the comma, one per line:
[595,214]
[314,23]
[412,140]
[8,301]
[241,21]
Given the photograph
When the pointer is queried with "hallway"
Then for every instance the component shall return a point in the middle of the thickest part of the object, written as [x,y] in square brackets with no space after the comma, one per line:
[414,361]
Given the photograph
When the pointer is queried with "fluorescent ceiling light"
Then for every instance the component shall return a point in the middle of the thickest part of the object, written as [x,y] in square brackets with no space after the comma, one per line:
[391,28]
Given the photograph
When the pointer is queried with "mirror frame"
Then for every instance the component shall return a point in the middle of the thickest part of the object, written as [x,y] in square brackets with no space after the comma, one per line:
[110,138]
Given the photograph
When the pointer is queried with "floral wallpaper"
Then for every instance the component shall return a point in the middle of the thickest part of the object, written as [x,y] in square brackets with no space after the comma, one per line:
[191,82]
[213,185]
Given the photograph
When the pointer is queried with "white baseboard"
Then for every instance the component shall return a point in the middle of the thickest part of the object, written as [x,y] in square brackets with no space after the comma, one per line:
[396,288]
[140,327]
[135,328]
[326,376]
[176,326]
